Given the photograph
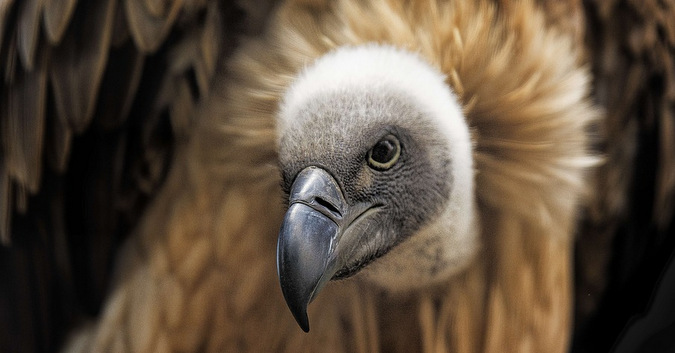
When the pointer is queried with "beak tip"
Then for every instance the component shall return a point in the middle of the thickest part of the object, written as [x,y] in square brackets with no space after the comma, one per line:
[304,323]
[300,315]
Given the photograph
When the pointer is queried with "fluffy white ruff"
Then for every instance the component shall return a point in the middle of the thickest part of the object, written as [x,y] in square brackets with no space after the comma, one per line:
[446,245]
[372,66]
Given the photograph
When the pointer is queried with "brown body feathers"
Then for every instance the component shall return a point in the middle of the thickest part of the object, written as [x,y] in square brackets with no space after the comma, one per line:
[169,82]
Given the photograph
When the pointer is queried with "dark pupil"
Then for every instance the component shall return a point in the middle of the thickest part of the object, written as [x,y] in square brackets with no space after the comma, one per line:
[384,151]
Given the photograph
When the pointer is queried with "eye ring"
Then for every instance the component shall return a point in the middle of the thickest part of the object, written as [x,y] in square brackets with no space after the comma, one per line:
[385,153]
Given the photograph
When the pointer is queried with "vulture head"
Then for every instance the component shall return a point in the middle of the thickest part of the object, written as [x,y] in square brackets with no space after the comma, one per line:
[376,160]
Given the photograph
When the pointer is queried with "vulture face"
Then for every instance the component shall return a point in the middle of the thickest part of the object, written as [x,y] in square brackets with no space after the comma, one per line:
[375,157]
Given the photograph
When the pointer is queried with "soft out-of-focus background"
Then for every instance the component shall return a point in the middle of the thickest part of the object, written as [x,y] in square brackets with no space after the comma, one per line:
[96,95]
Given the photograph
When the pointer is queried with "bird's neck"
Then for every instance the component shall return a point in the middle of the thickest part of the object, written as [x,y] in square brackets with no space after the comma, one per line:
[515,296]
[433,255]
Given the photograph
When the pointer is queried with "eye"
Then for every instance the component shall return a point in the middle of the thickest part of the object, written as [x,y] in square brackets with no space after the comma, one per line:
[385,153]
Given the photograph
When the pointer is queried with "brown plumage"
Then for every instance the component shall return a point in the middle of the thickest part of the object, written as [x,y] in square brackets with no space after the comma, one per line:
[198,271]
[626,236]
[91,107]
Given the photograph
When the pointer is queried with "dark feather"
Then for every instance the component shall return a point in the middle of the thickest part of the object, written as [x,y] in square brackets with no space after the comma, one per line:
[5,8]
[150,21]
[120,29]
[28,17]
[22,126]
[626,237]
[5,203]
[119,85]
[59,138]
[108,95]
[654,331]
[9,57]
[79,62]
[56,16]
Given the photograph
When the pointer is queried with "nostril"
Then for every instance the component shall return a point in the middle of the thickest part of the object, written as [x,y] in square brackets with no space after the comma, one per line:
[327,205]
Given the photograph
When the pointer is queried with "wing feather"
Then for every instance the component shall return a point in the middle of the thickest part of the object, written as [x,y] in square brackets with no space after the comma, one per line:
[9,58]
[58,141]
[625,239]
[99,97]
[5,202]
[22,126]
[119,85]
[29,16]
[210,43]
[149,22]
[56,17]
[120,28]
[79,62]
[5,7]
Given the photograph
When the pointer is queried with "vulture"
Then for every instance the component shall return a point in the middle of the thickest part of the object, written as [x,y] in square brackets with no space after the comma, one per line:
[336,175]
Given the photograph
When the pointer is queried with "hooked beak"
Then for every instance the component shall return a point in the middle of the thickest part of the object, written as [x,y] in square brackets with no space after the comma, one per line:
[312,243]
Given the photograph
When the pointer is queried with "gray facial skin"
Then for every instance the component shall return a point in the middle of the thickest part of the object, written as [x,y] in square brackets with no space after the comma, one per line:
[344,212]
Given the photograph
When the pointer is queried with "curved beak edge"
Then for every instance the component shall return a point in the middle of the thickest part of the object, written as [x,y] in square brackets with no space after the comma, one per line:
[304,251]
